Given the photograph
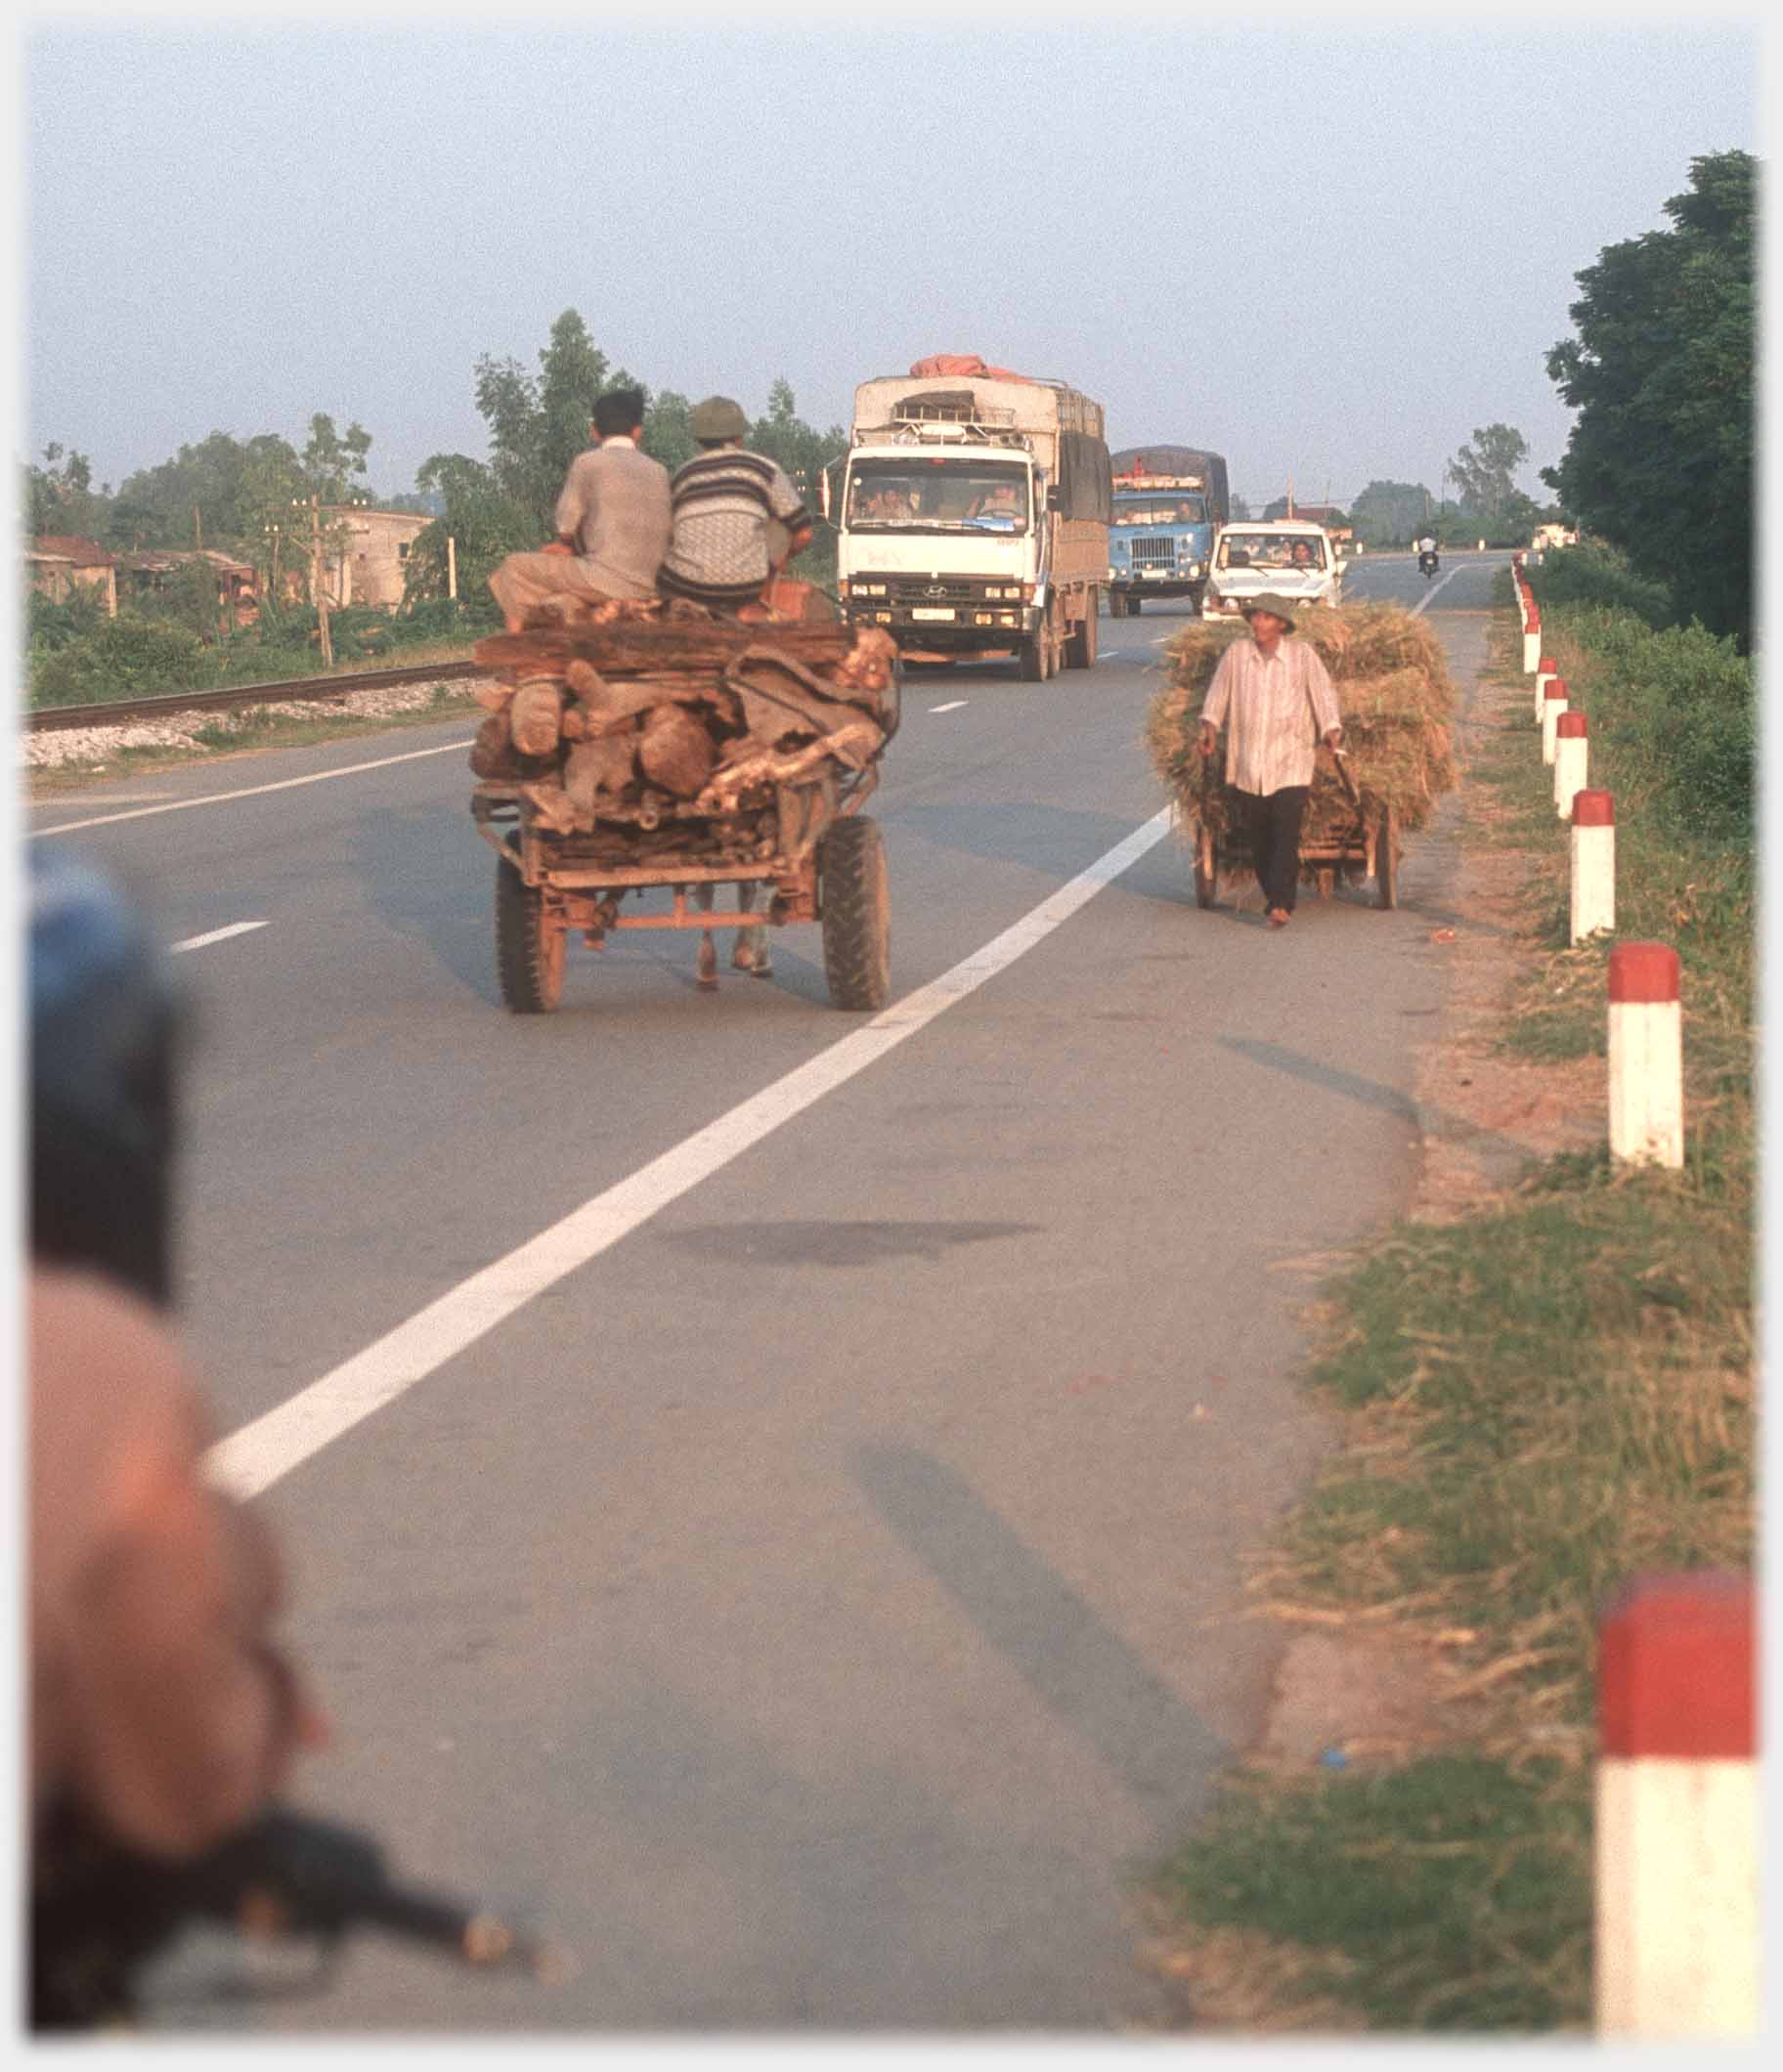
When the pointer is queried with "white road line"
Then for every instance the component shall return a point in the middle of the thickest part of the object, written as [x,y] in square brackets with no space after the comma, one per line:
[1161,638]
[257,1455]
[252,791]
[952,706]
[1424,603]
[204,942]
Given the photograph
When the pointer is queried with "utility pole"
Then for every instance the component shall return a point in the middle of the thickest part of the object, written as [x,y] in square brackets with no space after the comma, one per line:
[452,566]
[317,592]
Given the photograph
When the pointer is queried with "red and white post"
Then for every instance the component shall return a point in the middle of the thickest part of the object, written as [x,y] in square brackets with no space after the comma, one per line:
[1571,749]
[1553,704]
[1677,1828]
[1646,1056]
[1593,844]
[1546,669]
[1532,639]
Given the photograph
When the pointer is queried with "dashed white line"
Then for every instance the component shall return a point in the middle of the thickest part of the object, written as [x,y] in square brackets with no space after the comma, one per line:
[252,791]
[260,1454]
[952,706]
[204,942]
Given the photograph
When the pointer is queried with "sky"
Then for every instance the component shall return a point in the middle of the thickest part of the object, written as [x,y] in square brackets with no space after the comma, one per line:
[1329,247]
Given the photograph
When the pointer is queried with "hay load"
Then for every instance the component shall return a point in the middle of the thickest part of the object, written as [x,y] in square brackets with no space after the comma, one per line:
[1393,689]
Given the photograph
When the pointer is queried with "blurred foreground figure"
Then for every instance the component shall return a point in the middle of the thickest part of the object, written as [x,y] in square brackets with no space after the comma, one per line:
[160,1713]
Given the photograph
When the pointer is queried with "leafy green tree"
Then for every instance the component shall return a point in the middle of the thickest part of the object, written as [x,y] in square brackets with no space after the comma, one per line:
[59,497]
[538,423]
[802,449]
[480,518]
[668,432]
[1485,470]
[335,462]
[1660,459]
[1389,513]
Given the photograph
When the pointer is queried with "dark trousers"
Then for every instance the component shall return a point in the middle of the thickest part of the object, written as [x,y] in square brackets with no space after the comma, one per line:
[1273,823]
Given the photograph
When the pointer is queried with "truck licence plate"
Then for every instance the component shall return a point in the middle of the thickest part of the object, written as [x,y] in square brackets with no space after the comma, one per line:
[931,611]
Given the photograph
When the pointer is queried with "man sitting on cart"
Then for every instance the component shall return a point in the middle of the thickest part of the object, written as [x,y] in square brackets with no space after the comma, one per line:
[737,520]
[1276,701]
[611,521]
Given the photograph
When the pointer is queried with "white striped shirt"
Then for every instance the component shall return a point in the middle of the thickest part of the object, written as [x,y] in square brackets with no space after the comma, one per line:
[1278,708]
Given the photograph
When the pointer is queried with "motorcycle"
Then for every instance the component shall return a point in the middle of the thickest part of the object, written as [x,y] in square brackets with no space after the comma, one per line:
[1427,563]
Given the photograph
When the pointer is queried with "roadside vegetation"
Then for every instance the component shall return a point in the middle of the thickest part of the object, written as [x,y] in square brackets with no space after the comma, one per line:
[1538,1398]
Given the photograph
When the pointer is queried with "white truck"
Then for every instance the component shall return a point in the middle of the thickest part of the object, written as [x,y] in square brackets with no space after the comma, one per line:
[973,518]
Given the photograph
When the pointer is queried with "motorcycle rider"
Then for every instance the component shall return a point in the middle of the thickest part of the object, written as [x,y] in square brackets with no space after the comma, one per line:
[1426,555]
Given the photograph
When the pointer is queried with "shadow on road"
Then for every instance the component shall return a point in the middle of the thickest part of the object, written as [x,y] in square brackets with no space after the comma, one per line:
[1086,1675]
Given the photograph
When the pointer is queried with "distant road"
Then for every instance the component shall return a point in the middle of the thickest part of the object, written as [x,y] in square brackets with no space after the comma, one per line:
[815,1604]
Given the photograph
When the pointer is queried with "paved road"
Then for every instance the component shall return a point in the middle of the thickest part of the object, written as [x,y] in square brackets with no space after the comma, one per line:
[814,1603]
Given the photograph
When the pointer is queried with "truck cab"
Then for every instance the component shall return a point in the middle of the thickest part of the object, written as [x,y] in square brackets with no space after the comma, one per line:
[1161,541]
[1290,556]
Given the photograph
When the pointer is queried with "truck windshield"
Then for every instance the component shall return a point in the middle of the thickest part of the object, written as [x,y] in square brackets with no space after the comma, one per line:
[1271,550]
[1159,510]
[937,496]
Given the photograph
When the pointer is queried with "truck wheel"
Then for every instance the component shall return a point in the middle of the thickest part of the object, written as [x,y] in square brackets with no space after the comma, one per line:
[1132,602]
[856,908]
[1118,604]
[529,951]
[1080,647]
[1032,662]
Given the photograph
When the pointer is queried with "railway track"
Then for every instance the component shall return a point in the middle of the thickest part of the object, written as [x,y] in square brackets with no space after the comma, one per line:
[321,690]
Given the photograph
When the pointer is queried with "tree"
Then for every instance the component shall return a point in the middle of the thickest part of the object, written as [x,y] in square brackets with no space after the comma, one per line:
[539,424]
[482,521]
[335,462]
[1660,458]
[801,450]
[668,433]
[1484,472]
[59,495]
[1389,513]
[1241,511]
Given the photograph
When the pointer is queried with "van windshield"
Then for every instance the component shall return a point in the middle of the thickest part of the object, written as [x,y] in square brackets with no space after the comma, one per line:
[937,496]
[1159,510]
[1272,550]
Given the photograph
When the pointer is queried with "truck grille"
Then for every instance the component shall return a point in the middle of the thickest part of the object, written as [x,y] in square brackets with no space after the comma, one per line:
[943,590]
[1154,553]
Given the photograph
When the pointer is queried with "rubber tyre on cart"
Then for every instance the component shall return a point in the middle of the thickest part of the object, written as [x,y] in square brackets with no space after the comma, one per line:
[1386,869]
[1080,645]
[855,902]
[530,953]
[1207,868]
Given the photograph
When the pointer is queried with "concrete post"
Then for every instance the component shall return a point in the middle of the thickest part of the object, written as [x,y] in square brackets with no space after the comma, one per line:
[1678,1930]
[1532,640]
[1553,704]
[1646,1056]
[1546,672]
[1571,749]
[1593,847]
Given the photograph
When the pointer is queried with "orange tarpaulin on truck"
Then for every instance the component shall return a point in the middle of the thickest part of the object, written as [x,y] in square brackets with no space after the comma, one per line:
[968,364]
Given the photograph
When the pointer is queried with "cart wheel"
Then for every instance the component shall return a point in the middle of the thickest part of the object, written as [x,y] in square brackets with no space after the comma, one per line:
[856,908]
[1328,880]
[1386,873]
[1207,868]
[529,951]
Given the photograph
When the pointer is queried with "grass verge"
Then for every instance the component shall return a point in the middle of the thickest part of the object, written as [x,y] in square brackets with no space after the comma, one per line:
[1539,1400]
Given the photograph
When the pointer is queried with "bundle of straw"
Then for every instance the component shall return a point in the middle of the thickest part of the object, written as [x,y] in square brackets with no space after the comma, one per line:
[1393,690]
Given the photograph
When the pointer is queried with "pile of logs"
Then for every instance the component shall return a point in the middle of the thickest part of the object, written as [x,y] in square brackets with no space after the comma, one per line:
[667,705]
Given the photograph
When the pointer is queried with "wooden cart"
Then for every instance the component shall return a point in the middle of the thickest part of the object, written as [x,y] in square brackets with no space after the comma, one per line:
[1364,846]
[790,851]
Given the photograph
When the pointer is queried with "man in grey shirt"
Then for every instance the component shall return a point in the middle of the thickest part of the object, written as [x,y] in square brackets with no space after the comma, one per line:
[612,520]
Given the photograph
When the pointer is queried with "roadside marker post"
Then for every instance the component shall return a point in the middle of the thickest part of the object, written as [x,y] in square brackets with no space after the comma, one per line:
[1678,1930]
[1545,671]
[1646,1056]
[1553,704]
[1593,847]
[1531,640]
[1571,749]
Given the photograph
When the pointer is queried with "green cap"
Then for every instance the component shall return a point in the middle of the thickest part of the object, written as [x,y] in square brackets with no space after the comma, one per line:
[718,417]
[1270,601]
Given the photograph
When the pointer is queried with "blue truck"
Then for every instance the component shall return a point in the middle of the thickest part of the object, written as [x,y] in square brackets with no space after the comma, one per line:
[1168,501]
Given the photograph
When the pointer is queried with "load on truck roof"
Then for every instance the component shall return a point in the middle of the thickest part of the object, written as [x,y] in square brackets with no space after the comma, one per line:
[991,405]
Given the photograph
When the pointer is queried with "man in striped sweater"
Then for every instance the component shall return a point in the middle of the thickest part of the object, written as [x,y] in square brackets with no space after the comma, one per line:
[736,518]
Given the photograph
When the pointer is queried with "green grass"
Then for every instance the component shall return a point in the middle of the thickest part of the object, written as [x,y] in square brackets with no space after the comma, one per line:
[1452,1896]
[1539,1400]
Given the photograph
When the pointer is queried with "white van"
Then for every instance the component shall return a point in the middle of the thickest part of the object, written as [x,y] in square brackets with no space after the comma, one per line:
[1290,556]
